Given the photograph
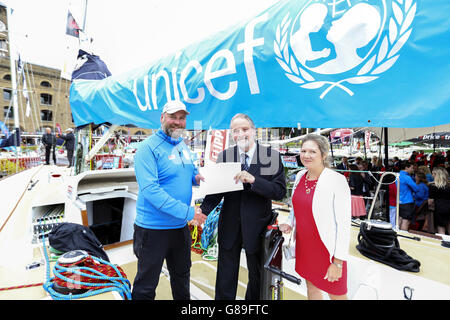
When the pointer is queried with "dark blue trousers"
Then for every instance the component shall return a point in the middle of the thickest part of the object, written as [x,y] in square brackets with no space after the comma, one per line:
[152,247]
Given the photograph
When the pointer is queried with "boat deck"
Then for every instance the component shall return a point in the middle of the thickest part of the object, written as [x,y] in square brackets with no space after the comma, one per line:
[17,251]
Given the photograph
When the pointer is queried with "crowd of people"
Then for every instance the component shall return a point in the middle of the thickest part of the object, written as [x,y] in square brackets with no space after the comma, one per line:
[424,196]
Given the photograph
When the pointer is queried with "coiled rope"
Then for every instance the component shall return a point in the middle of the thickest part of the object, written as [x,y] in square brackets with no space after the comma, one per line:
[209,236]
[382,245]
[92,273]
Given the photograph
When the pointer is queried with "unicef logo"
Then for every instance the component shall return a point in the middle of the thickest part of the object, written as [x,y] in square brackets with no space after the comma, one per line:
[332,43]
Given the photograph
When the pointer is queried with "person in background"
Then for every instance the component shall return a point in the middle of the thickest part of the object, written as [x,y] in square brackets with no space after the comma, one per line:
[422,194]
[49,141]
[413,156]
[426,170]
[344,164]
[367,180]
[391,179]
[419,156]
[420,200]
[321,218]
[356,184]
[439,199]
[69,142]
[165,174]
[407,189]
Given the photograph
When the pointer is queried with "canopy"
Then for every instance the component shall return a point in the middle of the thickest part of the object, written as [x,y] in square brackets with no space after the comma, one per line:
[402,134]
[382,63]
[438,138]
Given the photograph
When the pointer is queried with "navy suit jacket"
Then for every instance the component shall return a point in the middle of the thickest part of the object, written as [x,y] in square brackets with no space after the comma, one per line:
[250,208]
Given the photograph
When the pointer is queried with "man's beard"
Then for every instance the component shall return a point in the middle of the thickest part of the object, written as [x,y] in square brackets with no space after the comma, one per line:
[175,133]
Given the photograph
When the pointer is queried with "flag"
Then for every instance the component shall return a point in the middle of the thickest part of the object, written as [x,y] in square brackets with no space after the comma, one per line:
[58,127]
[72,28]
[377,63]
[367,134]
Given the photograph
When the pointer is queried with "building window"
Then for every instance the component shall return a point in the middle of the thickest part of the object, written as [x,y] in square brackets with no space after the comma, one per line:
[7,77]
[3,48]
[46,115]
[46,99]
[46,84]
[7,94]
[6,114]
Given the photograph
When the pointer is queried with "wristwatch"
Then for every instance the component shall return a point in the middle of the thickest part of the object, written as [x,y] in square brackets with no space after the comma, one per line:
[339,265]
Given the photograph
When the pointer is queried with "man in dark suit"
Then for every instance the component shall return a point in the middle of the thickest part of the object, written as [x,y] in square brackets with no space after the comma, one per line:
[49,141]
[343,165]
[245,214]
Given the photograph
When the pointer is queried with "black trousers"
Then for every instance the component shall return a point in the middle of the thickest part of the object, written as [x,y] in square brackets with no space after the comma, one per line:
[228,272]
[49,149]
[70,156]
[151,247]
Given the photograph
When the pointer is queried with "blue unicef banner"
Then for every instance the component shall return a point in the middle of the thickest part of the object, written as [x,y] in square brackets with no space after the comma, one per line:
[320,63]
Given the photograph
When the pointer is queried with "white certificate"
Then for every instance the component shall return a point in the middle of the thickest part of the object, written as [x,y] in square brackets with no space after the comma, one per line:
[219,178]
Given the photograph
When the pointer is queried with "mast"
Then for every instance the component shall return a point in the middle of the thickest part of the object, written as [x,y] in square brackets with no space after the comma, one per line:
[13,80]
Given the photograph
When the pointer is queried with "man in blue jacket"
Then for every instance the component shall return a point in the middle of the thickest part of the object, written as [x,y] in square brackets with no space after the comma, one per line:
[165,174]
[407,189]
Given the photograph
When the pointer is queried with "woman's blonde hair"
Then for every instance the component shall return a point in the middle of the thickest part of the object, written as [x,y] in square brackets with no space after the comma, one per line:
[322,143]
[440,177]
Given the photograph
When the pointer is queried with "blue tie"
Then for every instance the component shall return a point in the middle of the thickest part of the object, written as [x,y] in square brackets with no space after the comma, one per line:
[244,165]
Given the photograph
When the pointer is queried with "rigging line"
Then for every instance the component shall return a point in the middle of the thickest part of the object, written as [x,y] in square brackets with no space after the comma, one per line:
[23,193]
[34,104]
[31,99]
[27,79]
[11,100]
[25,70]
[37,109]
[20,101]
[58,100]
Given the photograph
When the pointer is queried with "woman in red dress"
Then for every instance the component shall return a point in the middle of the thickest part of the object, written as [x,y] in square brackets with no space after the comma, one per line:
[321,204]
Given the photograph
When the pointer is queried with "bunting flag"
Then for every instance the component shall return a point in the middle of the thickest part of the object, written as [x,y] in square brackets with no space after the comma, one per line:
[321,63]
[72,28]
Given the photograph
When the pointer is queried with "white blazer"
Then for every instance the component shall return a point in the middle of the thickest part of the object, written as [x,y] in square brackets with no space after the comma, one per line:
[331,209]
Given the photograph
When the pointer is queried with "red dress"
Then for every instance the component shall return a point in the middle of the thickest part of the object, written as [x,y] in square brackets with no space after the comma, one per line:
[312,257]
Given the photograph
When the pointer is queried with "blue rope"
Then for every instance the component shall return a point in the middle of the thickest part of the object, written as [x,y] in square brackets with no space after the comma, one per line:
[119,284]
[208,238]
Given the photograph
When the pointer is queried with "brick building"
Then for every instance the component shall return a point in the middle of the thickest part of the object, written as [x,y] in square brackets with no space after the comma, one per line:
[48,94]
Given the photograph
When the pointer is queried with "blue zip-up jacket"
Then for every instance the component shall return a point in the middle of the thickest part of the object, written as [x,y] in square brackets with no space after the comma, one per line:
[407,188]
[422,194]
[165,174]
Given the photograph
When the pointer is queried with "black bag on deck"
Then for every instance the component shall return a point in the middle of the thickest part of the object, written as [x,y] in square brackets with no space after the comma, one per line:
[378,241]
[68,236]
